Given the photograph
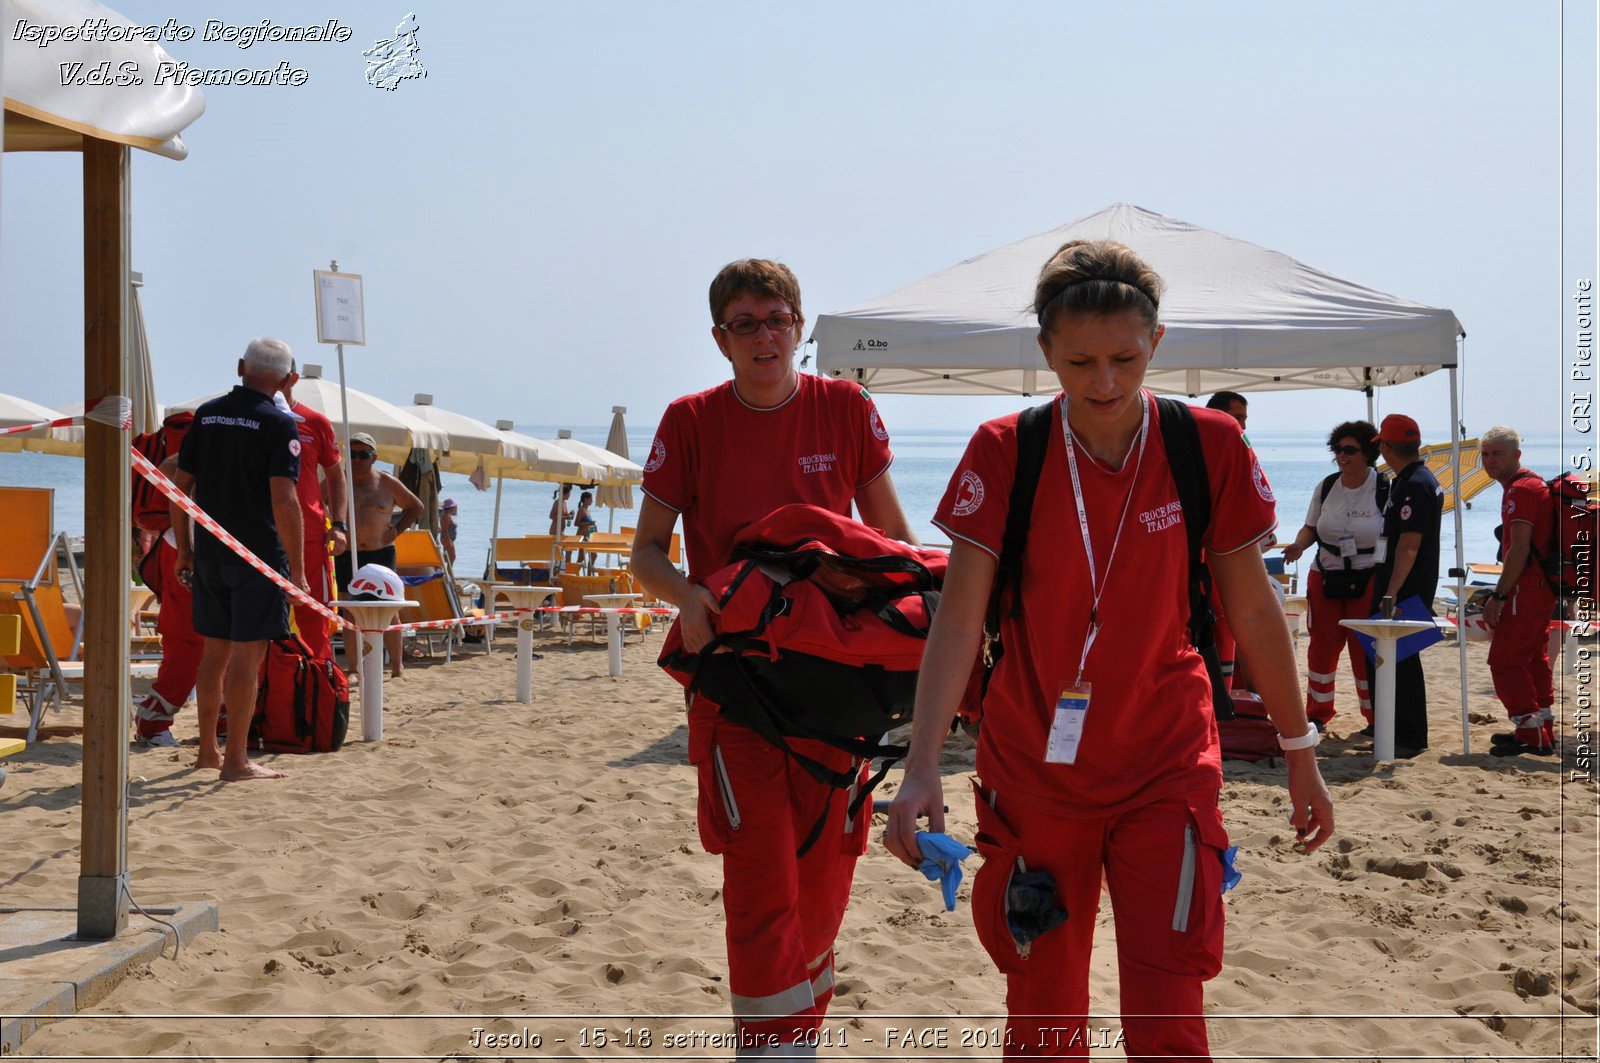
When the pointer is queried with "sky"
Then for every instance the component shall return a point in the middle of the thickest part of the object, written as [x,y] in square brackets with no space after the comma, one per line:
[537,220]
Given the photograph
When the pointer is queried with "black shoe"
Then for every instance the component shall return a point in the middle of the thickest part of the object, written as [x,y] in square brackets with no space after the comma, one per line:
[1367,732]
[1408,752]
[1320,725]
[1503,738]
[1514,748]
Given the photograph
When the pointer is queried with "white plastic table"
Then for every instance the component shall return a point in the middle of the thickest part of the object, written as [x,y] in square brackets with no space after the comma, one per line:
[522,597]
[1388,634]
[372,617]
[612,606]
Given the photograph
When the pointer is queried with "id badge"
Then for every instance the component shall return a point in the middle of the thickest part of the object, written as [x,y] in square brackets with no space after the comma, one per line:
[1347,546]
[1066,730]
[1380,553]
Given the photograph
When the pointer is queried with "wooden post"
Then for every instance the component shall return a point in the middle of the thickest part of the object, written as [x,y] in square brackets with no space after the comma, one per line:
[103,874]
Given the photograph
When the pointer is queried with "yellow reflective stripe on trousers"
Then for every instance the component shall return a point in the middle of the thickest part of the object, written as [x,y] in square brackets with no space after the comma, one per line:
[791,1001]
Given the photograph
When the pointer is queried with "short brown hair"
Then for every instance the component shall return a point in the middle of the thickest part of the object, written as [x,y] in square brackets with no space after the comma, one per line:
[755,276]
[1099,277]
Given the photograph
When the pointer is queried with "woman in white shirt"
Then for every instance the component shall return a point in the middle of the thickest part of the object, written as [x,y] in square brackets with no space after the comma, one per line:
[1346,520]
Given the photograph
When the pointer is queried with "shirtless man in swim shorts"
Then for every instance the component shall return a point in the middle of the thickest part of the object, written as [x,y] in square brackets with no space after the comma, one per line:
[377,495]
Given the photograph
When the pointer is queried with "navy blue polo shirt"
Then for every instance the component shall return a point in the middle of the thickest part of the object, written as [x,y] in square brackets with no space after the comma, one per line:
[237,443]
[1416,504]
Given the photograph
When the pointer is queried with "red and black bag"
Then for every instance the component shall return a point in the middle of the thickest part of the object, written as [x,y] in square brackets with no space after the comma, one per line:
[1248,734]
[822,626]
[1568,562]
[303,703]
[149,507]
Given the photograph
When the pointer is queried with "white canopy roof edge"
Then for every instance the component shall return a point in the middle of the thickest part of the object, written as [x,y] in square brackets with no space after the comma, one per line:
[47,115]
[1238,316]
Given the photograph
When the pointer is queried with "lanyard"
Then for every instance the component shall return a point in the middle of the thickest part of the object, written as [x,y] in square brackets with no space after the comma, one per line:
[1083,519]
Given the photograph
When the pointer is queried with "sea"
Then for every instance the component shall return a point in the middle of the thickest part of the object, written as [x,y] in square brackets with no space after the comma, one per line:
[1295,462]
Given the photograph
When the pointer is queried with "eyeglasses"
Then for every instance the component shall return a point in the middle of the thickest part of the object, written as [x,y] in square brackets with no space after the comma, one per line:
[1348,452]
[747,326]
[361,455]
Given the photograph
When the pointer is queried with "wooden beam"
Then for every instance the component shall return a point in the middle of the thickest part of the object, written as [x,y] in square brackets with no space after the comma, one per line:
[102,893]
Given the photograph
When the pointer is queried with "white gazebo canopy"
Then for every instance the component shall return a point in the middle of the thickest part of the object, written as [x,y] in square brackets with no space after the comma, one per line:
[1238,317]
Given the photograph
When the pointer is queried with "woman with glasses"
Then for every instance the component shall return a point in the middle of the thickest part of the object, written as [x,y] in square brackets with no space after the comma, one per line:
[1346,522]
[722,458]
[1098,754]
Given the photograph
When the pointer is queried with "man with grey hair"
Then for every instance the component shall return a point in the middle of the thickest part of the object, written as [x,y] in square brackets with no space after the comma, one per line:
[240,462]
[1521,604]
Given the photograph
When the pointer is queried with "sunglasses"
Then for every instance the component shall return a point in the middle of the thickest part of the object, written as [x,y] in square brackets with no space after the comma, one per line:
[361,455]
[1348,452]
[748,326]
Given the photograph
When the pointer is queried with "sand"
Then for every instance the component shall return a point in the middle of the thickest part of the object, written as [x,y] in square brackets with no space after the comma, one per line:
[490,865]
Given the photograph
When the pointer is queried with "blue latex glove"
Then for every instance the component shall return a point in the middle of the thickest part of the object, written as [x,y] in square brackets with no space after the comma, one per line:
[941,859]
[1230,874]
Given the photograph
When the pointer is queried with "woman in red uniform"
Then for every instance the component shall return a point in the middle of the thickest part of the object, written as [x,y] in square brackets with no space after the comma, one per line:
[721,459]
[1098,751]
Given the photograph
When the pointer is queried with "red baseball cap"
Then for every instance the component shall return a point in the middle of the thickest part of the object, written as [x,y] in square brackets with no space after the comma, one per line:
[1398,428]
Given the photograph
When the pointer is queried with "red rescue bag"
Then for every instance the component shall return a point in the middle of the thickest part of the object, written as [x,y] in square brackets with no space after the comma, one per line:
[1249,735]
[303,704]
[820,636]
[149,506]
[1568,562]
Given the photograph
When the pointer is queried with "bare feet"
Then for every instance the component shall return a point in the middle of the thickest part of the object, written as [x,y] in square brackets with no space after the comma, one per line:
[396,673]
[209,758]
[251,770]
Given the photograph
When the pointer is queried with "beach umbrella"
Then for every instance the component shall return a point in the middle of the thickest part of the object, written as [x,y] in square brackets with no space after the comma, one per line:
[141,374]
[618,470]
[16,412]
[619,496]
[542,460]
[396,431]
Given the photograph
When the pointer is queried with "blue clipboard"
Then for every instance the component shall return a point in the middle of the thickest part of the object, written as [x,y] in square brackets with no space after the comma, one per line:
[1410,609]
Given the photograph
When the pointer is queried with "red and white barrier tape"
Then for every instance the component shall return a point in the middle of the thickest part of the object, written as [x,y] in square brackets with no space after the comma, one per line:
[59,422]
[142,466]
[113,410]
[459,621]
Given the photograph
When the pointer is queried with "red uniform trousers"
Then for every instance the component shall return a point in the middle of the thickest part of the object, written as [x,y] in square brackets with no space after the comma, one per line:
[756,806]
[1163,867]
[313,626]
[180,646]
[1328,640]
[1519,662]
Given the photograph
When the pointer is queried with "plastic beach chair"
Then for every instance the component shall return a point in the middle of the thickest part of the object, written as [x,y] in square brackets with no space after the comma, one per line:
[417,554]
[30,590]
[47,655]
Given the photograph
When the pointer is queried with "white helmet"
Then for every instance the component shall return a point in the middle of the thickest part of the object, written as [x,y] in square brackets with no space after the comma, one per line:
[375,583]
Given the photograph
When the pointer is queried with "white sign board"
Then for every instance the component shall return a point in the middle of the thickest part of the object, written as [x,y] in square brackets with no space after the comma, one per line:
[341,315]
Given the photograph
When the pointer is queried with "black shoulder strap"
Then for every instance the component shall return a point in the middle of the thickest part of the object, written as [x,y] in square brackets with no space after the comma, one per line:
[1033,440]
[1326,488]
[1181,439]
[1383,490]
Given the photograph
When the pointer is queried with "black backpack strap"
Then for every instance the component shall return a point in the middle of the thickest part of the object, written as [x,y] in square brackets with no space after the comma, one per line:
[1033,440]
[1181,438]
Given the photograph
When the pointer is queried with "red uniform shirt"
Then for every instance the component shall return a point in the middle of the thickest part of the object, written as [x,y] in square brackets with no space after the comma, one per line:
[1527,500]
[1150,731]
[319,448]
[723,463]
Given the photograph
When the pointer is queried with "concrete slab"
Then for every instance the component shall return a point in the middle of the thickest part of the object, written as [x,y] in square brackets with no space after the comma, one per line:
[47,974]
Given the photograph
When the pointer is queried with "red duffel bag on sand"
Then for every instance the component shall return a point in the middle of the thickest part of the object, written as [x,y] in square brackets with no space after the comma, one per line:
[303,704]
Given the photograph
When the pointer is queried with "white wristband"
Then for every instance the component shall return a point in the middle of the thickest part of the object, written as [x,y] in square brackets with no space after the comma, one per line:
[1305,741]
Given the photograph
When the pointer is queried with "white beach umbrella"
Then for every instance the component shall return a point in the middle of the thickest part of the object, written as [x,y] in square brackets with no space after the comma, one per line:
[50,112]
[619,471]
[397,432]
[541,460]
[15,412]
[616,496]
